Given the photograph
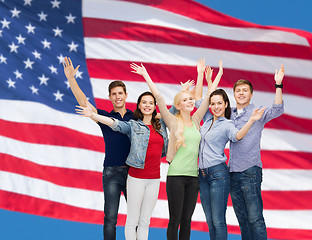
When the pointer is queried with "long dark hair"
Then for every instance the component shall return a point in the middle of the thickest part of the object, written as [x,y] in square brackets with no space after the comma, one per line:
[225,97]
[139,115]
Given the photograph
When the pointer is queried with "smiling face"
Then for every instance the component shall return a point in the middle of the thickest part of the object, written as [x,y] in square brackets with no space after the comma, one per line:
[184,102]
[147,105]
[118,97]
[218,106]
[242,95]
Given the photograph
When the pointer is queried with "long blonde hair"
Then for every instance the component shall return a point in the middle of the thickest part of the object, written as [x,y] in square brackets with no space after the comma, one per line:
[180,126]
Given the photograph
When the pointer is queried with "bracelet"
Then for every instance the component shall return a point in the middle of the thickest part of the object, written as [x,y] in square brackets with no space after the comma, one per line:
[279,85]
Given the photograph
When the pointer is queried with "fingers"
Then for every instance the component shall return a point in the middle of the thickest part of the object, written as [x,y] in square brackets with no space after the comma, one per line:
[79,107]
[70,62]
[134,66]
[67,62]
[79,110]
[201,61]
[282,68]
[260,111]
[208,69]
[189,82]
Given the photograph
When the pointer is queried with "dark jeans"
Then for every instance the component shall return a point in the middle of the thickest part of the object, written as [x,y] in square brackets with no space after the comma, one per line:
[247,203]
[182,193]
[114,182]
[214,188]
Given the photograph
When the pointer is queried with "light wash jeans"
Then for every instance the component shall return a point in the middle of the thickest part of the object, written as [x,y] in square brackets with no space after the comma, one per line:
[214,188]
[142,197]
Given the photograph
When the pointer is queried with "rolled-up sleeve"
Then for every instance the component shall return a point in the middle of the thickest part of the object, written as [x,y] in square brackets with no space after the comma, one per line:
[232,131]
[272,112]
[121,126]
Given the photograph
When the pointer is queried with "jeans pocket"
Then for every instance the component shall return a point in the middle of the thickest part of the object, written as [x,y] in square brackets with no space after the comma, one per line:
[219,174]
[108,172]
[250,172]
[250,180]
[123,171]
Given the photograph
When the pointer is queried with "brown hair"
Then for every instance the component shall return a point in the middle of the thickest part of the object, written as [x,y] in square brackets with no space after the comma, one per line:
[241,82]
[139,115]
[221,92]
[116,84]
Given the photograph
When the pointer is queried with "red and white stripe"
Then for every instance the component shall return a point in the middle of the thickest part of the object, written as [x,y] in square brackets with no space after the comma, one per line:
[51,162]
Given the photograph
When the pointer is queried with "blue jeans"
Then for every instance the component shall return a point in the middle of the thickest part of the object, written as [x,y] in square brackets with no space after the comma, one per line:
[214,188]
[114,182]
[247,202]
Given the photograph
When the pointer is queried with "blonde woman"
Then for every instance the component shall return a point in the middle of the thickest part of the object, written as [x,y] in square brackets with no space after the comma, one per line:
[182,178]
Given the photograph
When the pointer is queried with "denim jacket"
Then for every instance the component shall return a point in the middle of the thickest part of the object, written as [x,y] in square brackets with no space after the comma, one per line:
[139,134]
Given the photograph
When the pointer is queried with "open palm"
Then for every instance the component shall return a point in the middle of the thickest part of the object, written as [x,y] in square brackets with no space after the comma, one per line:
[69,69]
[138,69]
[279,75]
[84,111]
[257,114]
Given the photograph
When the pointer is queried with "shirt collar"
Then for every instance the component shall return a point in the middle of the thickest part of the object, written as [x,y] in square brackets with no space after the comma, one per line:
[250,106]
[117,113]
[221,119]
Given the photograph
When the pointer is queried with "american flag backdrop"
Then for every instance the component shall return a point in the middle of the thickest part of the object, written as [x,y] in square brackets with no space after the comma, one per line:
[51,159]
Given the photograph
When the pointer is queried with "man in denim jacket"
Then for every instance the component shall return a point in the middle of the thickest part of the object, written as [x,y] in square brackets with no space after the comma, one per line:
[117,146]
[245,160]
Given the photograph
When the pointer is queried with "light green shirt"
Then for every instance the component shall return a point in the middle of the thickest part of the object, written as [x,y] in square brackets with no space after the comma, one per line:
[185,162]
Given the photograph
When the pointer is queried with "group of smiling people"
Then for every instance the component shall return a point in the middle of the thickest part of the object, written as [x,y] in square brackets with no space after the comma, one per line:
[195,153]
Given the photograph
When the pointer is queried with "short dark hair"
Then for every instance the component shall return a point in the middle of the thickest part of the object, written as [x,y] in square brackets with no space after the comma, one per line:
[241,82]
[221,92]
[114,84]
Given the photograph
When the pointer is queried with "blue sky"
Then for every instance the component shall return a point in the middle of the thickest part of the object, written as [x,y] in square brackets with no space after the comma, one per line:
[286,13]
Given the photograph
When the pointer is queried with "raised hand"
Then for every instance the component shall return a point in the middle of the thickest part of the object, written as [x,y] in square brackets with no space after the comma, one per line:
[186,86]
[84,111]
[279,75]
[257,114]
[192,92]
[141,70]
[69,69]
[201,65]
[208,73]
